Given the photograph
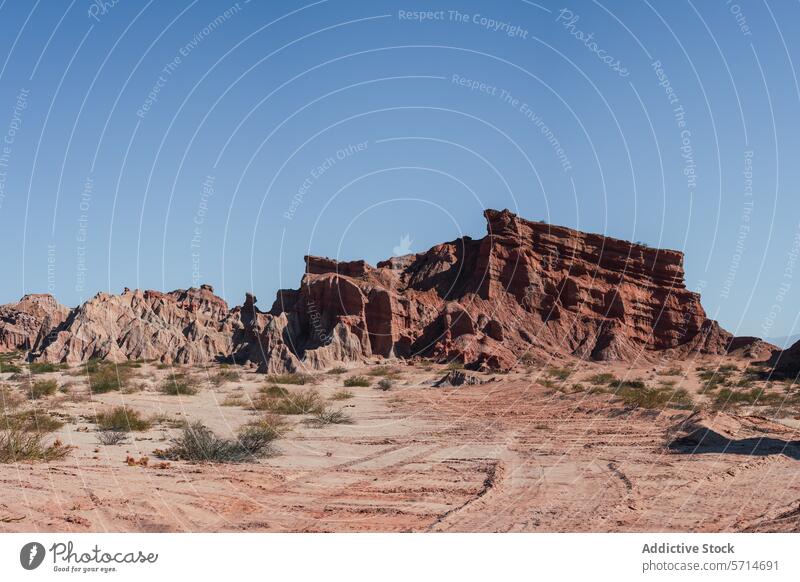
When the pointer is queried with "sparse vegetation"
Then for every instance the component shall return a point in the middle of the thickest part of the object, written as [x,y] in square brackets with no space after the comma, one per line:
[42,388]
[30,421]
[122,419]
[337,370]
[635,384]
[178,385]
[233,400]
[328,416]
[384,384]
[9,368]
[224,375]
[292,379]
[274,391]
[602,379]
[654,398]
[19,445]
[111,437]
[198,443]
[106,376]
[342,395]
[354,381]
[301,402]
[384,371]
[454,365]
[670,372]
[45,367]
[559,373]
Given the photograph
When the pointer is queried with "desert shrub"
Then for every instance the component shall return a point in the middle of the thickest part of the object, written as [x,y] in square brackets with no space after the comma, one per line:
[111,437]
[178,385]
[342,395]
[233,400]
[42,388]
[224,375]
[384,384]
[106,377]
[559,373]
[328,416]
[654,397]
[45,367]
[670,372]
[636,384]
[122,419]
[268,426]
[601,379]
[20,445]
[198,443]
[354,381]
[337,370]
[755,396]
[454,365]
[274,391]
[294,379]
[9,399]
[385,371]
[301,402]
[30,421]
[9,368]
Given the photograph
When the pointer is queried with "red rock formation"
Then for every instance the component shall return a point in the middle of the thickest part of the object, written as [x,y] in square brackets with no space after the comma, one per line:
[30,319]
[525,288]
[192,326]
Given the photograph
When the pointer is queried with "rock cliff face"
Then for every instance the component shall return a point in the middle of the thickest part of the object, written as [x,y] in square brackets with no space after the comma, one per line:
[189,327]
[525,290]
[31,319]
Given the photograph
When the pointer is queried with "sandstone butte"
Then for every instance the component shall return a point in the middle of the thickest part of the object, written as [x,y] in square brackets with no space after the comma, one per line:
[527,290]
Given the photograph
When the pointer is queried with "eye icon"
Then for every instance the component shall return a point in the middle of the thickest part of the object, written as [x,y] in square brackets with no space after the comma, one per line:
[31,555]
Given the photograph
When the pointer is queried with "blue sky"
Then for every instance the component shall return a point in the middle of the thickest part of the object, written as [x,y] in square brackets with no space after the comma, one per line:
[164,144]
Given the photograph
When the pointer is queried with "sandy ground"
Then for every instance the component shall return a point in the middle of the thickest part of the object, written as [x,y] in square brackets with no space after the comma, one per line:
[509,455]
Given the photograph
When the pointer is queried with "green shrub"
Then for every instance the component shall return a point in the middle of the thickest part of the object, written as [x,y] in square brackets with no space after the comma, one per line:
[42,388]
[670,372]
[454,365]
[354,381]
[20,445]
[106,376]
[385,371]
[178,385]
[294,379]
[45,367]
[274,391]
[337,370]
[122,419]
[198,443]
[637,384]
[223,376]
[754,396]
[654,398]
[559,373]
[30,421]
[7,368]
[342,395]
[302,402]
[601,379]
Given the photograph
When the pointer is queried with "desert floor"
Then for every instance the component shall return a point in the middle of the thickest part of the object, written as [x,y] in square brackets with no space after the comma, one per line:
[541,449]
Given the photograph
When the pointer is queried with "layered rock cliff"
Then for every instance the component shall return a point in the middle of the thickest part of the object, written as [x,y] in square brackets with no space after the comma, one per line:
[188,327]
[29,320]
[526,290]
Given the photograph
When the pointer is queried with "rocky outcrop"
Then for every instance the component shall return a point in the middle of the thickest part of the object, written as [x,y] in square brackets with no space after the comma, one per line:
[29,320]
[527,289]
[189,327]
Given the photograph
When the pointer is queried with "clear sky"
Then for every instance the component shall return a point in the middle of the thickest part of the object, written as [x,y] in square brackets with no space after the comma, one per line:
[164,144]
